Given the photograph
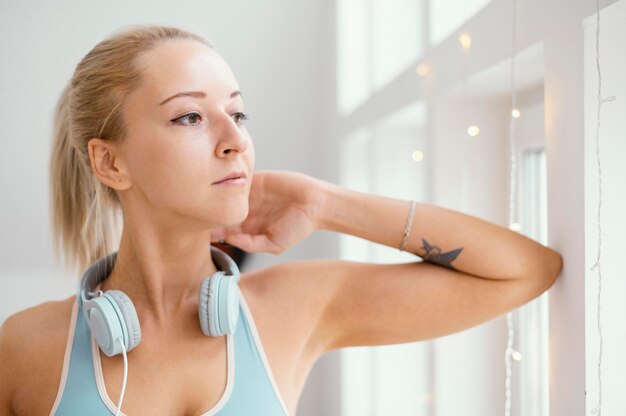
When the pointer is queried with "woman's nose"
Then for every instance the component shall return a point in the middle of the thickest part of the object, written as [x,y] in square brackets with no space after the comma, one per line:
[230,137]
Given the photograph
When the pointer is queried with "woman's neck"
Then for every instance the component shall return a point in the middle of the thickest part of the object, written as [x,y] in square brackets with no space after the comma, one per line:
[162,280]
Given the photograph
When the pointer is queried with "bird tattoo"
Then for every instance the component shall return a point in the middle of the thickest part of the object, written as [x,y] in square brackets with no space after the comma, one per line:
[434,255]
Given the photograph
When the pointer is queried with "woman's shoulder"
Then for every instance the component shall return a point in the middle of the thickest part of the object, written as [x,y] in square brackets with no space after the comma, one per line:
[32,347]
[44,320]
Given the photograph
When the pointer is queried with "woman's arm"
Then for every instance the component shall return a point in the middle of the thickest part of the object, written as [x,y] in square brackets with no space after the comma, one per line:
[438,235]
[491,271]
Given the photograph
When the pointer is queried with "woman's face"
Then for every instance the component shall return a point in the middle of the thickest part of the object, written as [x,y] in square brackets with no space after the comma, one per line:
[176,148]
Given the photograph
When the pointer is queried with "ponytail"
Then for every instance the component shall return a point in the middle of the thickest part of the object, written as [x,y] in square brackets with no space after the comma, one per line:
[80,209]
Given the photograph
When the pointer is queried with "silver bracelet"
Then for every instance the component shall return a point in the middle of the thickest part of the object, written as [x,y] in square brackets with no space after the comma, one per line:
[407,230]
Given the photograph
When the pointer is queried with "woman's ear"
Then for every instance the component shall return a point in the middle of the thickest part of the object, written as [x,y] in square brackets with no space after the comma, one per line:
[107,163]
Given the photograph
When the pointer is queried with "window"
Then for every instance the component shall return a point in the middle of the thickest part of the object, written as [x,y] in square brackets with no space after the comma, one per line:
[376,40]
[446,16]
[533,395]
[380,159]
[353,69]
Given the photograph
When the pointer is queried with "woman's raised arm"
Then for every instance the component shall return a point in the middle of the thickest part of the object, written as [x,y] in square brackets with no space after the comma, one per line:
[473,271]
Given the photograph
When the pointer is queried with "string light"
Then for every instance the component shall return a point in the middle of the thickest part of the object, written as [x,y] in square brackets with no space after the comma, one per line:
[428,398]
[513,223]
[515,226]
[418,155]
[473,131]
[422,70]
[465,40]
[508,353]
[598,409]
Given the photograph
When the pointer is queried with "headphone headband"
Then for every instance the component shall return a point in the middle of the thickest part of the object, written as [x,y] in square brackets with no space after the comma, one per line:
[102,268]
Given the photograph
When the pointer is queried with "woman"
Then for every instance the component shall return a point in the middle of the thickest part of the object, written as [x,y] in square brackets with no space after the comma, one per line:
[149,125]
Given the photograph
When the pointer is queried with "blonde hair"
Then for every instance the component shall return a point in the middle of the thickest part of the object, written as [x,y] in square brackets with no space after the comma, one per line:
[84,213]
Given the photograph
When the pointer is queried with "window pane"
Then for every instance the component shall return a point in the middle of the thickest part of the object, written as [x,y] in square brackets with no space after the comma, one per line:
[401,374]
[378,159]
[447,15]
[355,379]
[396,37]
[353,85]
[533,317]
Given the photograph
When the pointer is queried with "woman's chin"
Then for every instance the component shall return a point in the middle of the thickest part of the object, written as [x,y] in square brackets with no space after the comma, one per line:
[235,215]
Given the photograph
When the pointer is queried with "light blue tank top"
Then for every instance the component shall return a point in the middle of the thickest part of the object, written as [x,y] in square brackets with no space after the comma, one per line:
[250,387]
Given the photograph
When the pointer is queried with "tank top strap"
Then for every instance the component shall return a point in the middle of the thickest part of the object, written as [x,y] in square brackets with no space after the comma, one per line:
[78,391]
[256,391]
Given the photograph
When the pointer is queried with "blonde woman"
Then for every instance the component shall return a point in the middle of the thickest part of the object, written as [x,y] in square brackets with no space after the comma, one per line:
[149,126]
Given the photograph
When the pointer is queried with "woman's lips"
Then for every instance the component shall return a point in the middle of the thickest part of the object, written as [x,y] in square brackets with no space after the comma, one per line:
[235,181]
[232,175]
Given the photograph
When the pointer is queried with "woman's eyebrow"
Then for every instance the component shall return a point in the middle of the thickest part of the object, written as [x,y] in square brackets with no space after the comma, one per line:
[198,94]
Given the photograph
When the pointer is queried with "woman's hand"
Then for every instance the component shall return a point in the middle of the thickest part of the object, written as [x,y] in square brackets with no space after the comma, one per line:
[284,208]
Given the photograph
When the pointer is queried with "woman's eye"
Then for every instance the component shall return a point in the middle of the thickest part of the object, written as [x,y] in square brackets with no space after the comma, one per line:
[241,116]
[188,117]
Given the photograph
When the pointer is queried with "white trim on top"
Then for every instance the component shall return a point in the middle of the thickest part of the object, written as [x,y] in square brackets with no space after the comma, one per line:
[261,350]
[66,360]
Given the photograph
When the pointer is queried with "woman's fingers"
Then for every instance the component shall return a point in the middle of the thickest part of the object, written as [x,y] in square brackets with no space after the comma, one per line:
[223,233]
[254,243]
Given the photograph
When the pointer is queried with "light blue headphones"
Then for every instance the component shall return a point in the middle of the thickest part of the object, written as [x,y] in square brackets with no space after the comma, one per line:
[111,315]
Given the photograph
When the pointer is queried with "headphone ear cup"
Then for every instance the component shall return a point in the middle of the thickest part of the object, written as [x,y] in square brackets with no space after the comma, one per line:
[105,324]
[228,304]
[206,305]
[129,317]
[218,304]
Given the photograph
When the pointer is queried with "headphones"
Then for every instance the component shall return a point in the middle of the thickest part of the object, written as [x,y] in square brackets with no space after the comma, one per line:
[112,317]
